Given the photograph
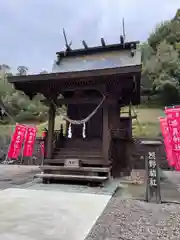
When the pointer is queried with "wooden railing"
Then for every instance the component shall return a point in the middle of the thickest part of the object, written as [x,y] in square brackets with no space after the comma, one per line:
[58,138]
[55,139]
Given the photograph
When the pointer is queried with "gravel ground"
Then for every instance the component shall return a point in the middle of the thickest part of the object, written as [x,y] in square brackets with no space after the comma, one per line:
[131,219]
[125,218]
[12,175]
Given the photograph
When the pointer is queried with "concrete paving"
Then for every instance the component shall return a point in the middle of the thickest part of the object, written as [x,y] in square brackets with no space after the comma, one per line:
[12,175]
[27,214]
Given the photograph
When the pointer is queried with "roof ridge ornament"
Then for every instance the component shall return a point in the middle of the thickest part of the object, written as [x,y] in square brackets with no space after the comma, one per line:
[124,31]
[68,45]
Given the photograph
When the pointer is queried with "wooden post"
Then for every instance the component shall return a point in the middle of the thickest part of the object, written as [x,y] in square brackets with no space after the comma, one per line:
[51,120]
[105,140]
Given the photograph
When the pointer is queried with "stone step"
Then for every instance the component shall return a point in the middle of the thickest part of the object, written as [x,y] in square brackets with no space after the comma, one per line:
[77,151]
[82,144]
[76,155]
[46,176]
[83,149]
[80,169]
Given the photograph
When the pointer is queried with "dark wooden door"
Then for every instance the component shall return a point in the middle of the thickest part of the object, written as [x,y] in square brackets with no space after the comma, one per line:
[93,126]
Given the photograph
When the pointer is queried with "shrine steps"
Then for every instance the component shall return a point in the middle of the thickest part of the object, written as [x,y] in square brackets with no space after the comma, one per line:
[85,161]
[80,169]
[83,143]
[85,174]
[87,156]
[49,177]
[91,167]
[76,154]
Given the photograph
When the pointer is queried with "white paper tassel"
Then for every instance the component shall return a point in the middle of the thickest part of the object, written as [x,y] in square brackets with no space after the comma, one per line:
[84,130]
[69,131]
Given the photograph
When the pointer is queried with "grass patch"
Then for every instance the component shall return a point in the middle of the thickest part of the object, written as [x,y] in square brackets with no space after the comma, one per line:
[6,130]
[58,122]
[147,122]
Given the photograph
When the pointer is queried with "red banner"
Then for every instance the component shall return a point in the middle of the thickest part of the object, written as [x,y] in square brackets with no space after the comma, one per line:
[29,141]
[173,120]
[167,141]
[16,142]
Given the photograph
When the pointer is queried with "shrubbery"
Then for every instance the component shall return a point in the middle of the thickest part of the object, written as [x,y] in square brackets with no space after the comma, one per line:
[161,62]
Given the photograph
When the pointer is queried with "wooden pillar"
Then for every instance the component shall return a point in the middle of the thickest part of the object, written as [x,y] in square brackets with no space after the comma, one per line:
[51,120]
[105,138]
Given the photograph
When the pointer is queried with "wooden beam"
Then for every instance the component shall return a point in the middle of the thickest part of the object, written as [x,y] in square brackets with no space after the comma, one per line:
[121,39]
[75,101]
[105,138]
[99,49]
[78,100]
[51,121]
[103,42]
[91,86]
[71,177]
[66,76]
[80,169]
[85,44]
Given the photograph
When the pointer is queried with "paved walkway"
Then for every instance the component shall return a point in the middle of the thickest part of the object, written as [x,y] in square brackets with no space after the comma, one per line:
[30,210]
[36,214]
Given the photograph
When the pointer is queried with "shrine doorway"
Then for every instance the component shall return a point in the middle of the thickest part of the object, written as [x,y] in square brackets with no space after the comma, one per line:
[93,126]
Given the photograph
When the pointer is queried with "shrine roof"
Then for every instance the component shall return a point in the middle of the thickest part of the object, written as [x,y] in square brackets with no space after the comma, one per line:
[95,61]
[99,60]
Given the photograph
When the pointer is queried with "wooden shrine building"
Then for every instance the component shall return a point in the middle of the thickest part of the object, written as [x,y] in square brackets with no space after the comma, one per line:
[94,83]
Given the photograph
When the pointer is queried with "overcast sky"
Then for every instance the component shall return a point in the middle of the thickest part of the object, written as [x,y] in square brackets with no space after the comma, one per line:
[31,30]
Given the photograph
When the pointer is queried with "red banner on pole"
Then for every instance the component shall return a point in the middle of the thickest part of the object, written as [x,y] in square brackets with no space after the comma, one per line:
[16,142]
[173,120]
[167,141]
[29,142]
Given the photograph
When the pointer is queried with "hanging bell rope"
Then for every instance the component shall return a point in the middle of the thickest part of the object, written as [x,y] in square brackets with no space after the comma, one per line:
[85,120]
[69,131]
[84,130]
[79,122]
[82,121]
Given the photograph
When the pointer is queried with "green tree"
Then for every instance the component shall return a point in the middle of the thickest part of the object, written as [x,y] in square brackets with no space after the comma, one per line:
[168,30]
[161,61]
[22,70]
[17,104]
[161,71]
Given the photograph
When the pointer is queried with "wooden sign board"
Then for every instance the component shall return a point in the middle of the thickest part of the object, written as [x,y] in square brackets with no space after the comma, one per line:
[72,163]
[152,171]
